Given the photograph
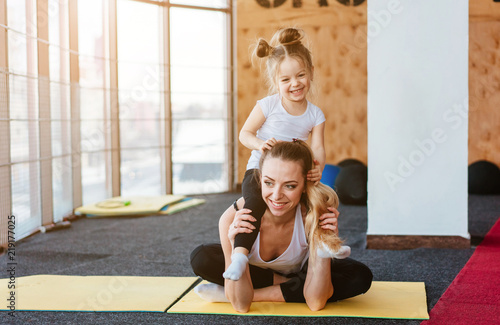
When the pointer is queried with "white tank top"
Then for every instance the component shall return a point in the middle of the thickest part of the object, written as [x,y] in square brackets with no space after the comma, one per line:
[293,258]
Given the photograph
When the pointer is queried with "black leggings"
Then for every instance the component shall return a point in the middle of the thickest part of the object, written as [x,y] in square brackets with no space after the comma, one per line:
[349,277]
[253,200]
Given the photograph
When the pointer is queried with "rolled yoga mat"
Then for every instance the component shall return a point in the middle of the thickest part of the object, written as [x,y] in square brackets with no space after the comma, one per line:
[138,206]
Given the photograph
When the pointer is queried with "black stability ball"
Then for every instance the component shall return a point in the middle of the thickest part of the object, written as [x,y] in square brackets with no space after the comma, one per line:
[350,184]
[349,162]
[484,178]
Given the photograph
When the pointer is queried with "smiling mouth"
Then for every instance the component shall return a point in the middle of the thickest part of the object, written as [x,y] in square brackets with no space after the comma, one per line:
[296,91]
[276,204]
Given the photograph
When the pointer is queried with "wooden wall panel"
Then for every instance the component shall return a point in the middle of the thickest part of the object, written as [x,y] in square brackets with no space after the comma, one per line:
[484,90]
[338,37]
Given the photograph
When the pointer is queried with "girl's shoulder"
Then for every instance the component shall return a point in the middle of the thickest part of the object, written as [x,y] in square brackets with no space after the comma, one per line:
[314,108]
[315,112]
[269,103]
[275,98]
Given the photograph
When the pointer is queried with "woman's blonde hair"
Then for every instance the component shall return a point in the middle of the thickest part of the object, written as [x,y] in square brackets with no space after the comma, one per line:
[318,198]
[286,42]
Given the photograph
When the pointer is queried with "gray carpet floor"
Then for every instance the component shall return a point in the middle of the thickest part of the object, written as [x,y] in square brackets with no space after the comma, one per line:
[160,246]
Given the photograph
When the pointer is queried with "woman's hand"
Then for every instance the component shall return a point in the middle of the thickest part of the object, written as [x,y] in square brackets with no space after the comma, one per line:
[314,175]
[241,224]
[329,220]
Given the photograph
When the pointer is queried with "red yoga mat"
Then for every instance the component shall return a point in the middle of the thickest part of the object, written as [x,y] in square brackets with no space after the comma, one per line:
[474,296]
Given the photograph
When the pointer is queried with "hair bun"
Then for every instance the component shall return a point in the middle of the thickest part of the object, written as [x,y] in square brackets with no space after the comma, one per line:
[263,48]
[290,36]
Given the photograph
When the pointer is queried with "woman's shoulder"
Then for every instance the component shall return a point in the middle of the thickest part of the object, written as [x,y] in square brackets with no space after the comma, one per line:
[228,215]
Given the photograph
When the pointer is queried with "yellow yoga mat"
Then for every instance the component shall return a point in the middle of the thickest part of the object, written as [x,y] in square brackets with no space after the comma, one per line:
[128,206]
[397,300]
[95,293]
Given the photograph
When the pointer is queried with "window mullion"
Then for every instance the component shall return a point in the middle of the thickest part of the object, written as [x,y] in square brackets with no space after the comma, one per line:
[115,112]
[167,157]
[75,104]
[5,169]
[44,113]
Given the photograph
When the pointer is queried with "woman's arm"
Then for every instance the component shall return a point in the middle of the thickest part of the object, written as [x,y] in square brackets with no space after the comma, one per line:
[318,287]
[318,149]
[240,293]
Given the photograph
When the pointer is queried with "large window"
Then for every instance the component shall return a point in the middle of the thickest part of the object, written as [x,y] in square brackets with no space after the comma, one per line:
[199,65]
[24,115]
[180,95]
[62,184]
[140,84]
[94,94]
[100,98]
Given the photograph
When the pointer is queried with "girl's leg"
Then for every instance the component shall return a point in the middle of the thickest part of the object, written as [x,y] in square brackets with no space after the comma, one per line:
[253,200]
[243,242]
[349,279]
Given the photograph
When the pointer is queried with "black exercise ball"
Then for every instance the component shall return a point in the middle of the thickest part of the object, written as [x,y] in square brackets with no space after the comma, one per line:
[484,178]
[349,162]
[351,184]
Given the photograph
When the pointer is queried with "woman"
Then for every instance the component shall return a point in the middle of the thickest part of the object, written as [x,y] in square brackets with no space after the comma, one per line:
[281,266]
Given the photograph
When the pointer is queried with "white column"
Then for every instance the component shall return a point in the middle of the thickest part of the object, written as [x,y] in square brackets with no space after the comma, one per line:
[417,117]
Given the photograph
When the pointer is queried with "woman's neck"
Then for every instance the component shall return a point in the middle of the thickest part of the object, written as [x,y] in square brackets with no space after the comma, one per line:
[280,220]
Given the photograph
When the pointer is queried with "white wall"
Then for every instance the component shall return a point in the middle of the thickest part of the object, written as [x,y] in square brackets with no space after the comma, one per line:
[417,117]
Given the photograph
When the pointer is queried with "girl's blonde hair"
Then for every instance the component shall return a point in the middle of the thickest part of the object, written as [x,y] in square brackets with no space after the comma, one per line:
[318,198]
[286,42]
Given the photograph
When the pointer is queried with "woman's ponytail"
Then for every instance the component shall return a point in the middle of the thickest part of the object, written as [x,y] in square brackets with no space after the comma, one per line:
[320,197]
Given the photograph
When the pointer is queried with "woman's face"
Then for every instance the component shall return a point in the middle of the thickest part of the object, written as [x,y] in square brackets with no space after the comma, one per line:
[282,185]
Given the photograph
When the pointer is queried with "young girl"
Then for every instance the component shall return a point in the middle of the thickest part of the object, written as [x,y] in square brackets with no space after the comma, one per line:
[283,116]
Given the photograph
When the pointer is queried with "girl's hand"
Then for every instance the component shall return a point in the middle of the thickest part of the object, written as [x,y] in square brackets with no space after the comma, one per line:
[329,221]
[314,175]
[268,144]
[241,224]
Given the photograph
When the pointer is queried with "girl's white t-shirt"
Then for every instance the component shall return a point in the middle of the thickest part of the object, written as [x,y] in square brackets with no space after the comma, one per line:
[283,126]
[293,258]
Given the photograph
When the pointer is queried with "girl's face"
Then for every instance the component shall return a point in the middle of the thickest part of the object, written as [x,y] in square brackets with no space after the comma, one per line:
[294,80]
[282,185]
